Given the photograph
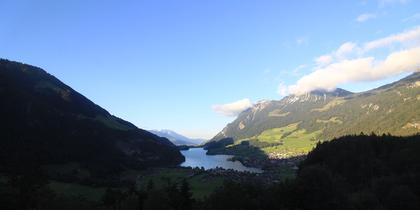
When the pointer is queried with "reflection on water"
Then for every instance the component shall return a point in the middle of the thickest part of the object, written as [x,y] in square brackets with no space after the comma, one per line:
[196,157]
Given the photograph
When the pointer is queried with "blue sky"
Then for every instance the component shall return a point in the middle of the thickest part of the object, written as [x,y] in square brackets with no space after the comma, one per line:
[173,63]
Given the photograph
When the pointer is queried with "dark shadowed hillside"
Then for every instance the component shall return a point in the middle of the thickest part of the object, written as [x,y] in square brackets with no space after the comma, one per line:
[45,121]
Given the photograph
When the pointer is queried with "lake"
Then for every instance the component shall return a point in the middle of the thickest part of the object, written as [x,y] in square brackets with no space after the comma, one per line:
[197,157]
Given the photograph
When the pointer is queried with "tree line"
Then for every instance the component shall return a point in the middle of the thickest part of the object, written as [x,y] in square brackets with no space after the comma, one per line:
[351,172]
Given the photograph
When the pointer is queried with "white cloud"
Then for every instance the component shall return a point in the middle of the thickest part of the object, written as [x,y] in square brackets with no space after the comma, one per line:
[323,60]
[282,90]
[405,37]
[365,17]
[412,17]
[360,69]
[352,49]
[345,49]
[232,109]
[351,63]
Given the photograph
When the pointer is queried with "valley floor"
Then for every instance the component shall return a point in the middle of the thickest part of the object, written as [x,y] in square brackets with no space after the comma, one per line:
[72,182]
[353,172]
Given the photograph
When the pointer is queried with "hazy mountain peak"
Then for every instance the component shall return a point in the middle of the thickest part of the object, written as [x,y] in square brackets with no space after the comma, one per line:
[317,95]
[176,138]
[262,104]
[263,101]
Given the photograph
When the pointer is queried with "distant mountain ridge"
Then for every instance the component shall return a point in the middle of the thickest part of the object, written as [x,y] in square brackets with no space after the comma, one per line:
[177,138]
[294,124]
[338,92]
[45,121]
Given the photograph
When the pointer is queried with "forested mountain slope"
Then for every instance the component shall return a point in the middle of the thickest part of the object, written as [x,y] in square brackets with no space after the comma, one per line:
[294,124]
[45,121]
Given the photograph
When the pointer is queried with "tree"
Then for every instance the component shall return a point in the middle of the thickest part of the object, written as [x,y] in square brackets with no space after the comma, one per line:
[112,198]
[150,185]
[186,195]
[29,182]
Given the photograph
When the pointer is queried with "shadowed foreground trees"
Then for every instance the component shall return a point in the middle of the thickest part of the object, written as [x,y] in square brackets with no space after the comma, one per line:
[350,173]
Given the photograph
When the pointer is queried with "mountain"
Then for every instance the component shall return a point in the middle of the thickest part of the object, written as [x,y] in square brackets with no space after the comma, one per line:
[293,125]
[44,121]
[176,138]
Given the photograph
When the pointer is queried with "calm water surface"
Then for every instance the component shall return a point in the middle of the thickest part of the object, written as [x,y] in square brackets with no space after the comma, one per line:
[196,157]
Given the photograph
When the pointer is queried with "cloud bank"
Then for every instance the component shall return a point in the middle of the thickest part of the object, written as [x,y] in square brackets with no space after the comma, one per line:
[232,109]
[351,63]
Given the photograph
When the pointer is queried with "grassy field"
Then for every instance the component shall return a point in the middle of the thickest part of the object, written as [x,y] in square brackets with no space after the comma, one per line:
[288,140]
[276,134]
[297,143]
[77,190]
[278,113]
[331,120]
[330,105]
[201,185]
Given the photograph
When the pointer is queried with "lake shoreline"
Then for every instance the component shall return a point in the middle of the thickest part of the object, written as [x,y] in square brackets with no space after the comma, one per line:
[198,157]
